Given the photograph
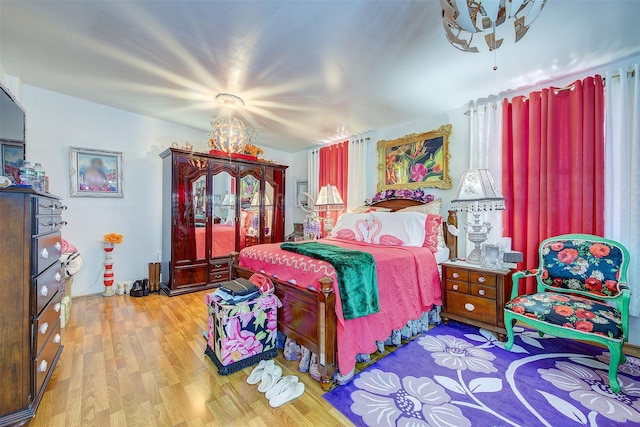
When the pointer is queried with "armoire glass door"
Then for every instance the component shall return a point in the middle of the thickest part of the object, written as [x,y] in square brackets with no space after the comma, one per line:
[249,212]
[223,225]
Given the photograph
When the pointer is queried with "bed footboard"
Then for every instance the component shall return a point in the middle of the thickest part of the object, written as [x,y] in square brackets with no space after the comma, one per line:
[307,316]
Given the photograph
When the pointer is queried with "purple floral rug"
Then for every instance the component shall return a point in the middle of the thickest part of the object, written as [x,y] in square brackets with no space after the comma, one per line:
[457,375]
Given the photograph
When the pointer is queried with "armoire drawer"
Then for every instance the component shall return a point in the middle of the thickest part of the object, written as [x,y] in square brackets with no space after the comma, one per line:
[45,321]
[47,285]
[44,362]
[47,250]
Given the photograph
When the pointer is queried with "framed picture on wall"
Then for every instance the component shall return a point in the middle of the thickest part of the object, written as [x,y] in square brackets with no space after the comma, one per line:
[11,157]
[95,173]
[415,161]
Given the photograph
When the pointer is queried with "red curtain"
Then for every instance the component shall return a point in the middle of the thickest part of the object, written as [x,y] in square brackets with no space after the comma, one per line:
[334,170]
[553,166]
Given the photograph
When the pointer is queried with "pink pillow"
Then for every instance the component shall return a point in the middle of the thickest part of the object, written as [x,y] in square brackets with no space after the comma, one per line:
[432,227]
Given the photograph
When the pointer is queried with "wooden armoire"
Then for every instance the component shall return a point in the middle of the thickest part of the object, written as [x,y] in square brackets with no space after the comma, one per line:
[212,206]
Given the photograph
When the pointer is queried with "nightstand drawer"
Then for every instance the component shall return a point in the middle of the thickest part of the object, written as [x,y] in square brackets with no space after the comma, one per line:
[482,278]
[456,274]
[483,291]
[454,286]
[477,308]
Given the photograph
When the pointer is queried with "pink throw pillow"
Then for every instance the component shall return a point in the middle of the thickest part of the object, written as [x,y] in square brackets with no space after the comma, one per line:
[432,227]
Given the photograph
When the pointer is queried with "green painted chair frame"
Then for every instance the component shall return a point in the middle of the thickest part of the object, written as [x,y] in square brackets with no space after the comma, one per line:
[620,301]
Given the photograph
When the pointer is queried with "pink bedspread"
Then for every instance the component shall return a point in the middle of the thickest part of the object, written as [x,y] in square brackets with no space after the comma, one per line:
[224,240]
[408,285]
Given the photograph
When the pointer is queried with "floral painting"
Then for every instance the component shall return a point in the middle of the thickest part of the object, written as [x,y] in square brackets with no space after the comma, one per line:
[415,161]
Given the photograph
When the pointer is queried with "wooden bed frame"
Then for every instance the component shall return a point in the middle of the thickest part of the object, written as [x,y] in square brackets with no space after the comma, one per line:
[309,317]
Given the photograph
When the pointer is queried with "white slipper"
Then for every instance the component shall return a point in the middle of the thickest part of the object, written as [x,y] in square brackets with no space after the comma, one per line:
[279,385]
[289,392]
[269,377]
[256,374]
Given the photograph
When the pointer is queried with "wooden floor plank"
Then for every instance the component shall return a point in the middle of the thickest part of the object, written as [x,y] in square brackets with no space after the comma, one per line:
[140,362]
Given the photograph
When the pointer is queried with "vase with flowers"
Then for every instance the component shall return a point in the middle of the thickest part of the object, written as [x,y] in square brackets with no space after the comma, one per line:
[311,226]
[108,244]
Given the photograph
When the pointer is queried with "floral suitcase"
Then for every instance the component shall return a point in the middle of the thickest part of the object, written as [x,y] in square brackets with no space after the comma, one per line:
[240,335]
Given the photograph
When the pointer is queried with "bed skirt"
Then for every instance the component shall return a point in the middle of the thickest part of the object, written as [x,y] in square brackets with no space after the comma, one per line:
[308,361]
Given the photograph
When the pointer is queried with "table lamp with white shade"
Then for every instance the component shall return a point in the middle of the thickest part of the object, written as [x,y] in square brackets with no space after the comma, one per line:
[477,193]
[328,200]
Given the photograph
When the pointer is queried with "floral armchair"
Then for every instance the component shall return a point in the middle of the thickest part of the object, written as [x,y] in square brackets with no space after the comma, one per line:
[582,293]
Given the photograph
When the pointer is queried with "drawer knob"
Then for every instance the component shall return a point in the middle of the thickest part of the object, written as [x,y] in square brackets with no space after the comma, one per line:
[481,279]
[56,339]
[42,367]
[481,292]
[44,253]
[455,287]
[58,277]
[57,307]
[58,246]
[44,291]
[469,307]
[43,328]
[455,275]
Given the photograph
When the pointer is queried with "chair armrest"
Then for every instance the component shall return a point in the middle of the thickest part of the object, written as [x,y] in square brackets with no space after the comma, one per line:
[624,287]
[520,275]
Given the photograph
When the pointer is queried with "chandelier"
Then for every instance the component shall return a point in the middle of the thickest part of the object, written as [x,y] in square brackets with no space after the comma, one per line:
[229,134]
[462,19]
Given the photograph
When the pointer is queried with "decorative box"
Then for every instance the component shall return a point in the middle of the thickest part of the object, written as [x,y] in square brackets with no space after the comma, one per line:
[240,335]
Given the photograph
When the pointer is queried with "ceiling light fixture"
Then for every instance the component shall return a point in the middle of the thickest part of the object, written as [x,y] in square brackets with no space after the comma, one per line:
[229,134]
[462,19]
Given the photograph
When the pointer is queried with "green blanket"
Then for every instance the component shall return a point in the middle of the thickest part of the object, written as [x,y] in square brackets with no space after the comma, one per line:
[356,273]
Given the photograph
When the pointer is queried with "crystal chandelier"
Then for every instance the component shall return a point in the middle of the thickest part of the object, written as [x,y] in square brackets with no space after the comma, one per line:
[462,19]
[229,134]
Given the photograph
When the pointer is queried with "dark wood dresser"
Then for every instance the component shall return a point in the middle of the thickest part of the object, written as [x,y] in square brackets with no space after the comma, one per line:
[30,278]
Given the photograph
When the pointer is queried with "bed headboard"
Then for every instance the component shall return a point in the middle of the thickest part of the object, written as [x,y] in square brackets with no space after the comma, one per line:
[450,240]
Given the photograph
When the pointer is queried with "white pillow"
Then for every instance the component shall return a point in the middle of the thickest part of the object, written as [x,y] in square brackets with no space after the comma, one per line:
[434,208]
[397,228]
[352,226]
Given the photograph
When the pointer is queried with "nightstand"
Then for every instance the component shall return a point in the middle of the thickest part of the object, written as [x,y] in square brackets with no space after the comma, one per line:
[475,295]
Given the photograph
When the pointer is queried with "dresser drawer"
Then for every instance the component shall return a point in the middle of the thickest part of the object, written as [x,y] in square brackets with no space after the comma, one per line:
[456,274]
[46,206]
[483,291]
[45,322]
[472,307]
[462,287]
[47,285]
[48,224]
[482,278]
[46,251]
[43,363]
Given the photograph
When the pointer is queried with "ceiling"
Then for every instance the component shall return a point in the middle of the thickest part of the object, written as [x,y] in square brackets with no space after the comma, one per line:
[304,68]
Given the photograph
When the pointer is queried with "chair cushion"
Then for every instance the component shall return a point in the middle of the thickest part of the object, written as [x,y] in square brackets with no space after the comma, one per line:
[570,311]
[582,265]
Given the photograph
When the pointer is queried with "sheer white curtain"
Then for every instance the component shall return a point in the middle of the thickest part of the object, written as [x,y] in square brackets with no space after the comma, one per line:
[313,172]
[622,169]
[356,192]
[485,125]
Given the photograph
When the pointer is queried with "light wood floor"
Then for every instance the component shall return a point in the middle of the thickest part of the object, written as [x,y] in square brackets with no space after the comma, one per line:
[140,362]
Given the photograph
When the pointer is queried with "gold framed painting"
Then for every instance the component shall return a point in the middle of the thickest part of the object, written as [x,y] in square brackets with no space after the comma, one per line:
[415,161]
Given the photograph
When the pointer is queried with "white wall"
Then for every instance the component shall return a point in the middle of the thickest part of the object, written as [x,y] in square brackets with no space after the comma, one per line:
[55,122]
